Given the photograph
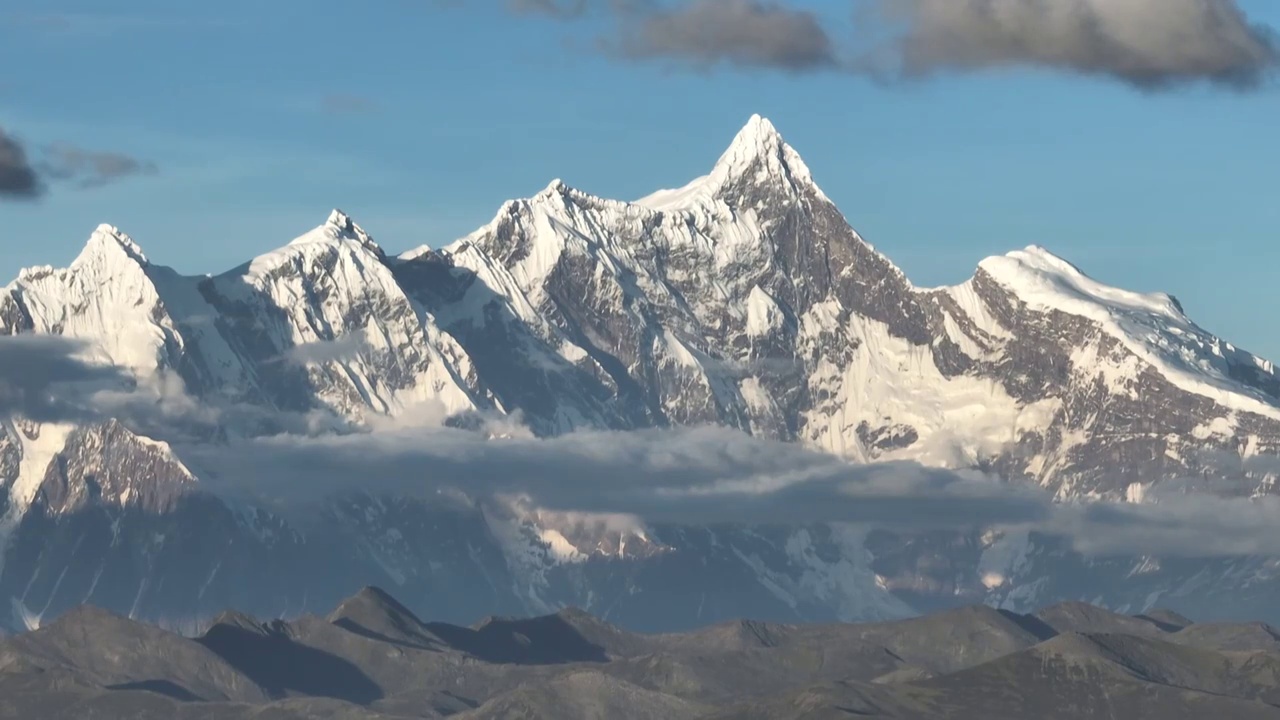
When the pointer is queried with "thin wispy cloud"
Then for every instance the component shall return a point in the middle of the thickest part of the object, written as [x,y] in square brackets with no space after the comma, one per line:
[346,104]
[552,8]
[324,351]
[90,168]
[82,24]
[26,175]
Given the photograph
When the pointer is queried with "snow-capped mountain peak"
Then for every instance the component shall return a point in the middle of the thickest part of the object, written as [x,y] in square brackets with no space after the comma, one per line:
[106,296]
[757,157]
[560,197]
[556,187]
[340,228]
[759,142]
[109,245]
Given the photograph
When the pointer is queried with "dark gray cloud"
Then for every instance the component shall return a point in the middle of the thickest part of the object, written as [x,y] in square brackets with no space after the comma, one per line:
[744,33]
[1151,44]
[90,168]
[46,378]
[18,178]
[1146,43]
[704,33]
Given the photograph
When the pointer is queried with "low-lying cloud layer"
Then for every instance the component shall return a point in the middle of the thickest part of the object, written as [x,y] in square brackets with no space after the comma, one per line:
[46,378]
[708,476]
[693,476]
[1151,44]
[1175,525]
[51,378]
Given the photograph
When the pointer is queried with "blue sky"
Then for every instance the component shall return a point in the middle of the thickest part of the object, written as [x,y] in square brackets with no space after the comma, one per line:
[420,117]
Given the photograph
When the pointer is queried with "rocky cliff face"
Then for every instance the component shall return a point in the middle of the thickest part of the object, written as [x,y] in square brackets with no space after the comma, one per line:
[744,299]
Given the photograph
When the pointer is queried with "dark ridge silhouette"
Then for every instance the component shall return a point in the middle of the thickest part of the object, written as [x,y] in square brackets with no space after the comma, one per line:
[285,668]
[1166,620]
[364,632]
[160,687]
[1032,624]
[546,640]
[233,619]
[374,614]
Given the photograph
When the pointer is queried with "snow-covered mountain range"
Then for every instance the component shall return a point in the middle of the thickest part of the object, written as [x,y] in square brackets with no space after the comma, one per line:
[744,299]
